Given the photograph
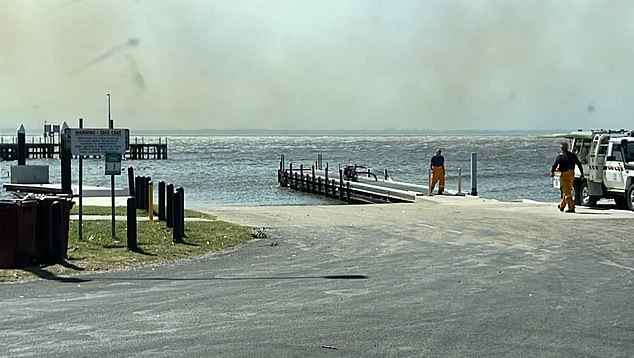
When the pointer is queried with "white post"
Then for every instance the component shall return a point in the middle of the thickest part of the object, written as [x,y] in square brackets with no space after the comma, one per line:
[474,174]
[459,181]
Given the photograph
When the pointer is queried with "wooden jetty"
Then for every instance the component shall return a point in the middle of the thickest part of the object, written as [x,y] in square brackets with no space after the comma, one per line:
[356,184]
[9,151]
[364,187]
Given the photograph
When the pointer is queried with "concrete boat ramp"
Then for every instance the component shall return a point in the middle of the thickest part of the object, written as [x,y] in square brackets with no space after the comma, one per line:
[441,277]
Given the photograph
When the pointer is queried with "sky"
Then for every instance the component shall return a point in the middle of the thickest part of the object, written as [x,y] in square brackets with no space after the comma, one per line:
[318,64]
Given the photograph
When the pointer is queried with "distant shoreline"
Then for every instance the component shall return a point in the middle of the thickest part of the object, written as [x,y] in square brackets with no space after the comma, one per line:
[314,132]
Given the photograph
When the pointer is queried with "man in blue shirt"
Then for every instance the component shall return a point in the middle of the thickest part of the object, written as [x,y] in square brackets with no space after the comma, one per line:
[437,167]
[565,162]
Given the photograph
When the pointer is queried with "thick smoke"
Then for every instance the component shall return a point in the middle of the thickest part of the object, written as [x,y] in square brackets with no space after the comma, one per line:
[317,64]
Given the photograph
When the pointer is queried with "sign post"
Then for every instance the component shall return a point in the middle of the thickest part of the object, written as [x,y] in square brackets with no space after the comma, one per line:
[109,142]
[111,126]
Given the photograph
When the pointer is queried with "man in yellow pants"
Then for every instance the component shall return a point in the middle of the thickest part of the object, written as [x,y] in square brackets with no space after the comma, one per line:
[437,167]
[566,161]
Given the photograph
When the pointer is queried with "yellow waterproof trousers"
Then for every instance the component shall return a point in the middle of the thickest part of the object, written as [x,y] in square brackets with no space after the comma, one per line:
[567,179]
[438,175]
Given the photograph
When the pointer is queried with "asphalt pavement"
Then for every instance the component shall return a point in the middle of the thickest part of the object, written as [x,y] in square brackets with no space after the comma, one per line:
[443,277]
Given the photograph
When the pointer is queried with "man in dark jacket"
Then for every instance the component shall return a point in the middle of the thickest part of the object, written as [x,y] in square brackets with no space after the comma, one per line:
[437,167]
[566,161]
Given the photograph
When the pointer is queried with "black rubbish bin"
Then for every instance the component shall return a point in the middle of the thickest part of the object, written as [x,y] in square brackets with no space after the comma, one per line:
[27,213]
[58,241]
[17,233]
[8,234]
[67,205]
[44,232]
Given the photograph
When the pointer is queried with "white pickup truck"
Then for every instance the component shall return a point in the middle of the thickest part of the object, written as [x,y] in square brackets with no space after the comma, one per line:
[608,161]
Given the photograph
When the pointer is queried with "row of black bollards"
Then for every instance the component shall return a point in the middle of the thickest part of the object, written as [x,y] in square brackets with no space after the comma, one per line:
[171,206]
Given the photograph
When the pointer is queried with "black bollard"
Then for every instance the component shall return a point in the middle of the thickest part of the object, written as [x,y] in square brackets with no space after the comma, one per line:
[143,192]
[57,227]
[146,204]
[169,206]
[182,208]
[139,192]
[131,182]
[177,231]
[131,218]
[137,185]
[161,201]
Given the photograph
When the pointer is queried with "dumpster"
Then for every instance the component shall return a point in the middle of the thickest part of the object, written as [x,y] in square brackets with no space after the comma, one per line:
[17,233]
[8,234]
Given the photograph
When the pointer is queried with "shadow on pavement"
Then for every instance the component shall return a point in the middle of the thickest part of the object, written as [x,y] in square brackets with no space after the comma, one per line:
[328,277]
[47,275]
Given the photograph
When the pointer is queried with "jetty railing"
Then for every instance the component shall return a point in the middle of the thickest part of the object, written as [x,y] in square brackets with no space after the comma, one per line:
[48,149]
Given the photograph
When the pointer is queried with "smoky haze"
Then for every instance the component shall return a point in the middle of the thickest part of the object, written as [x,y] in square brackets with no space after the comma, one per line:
[318,64]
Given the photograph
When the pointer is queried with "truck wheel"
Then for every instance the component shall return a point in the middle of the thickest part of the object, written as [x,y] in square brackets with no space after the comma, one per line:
[629,196]
[584,196]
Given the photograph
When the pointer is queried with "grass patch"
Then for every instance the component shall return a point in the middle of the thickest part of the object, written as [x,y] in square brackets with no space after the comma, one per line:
[98,251]
[122,211]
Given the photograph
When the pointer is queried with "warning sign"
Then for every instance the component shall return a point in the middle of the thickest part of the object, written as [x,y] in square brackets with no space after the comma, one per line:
[98,141]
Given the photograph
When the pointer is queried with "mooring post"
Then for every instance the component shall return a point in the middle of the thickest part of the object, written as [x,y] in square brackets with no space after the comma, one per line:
[169,207]
[348,192]
[333,188]
[385,176]
[279,170]
[131,221]
[301,175]
[326,181]
[21,145]
[161,201]
[290,171]
[312,181]
[474,173]
[65,159]
[340,184]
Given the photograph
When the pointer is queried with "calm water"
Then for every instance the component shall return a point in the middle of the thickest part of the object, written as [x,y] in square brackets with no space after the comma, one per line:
[242,170]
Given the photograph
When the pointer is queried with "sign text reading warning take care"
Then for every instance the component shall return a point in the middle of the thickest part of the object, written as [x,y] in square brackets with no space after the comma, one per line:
[98,141]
